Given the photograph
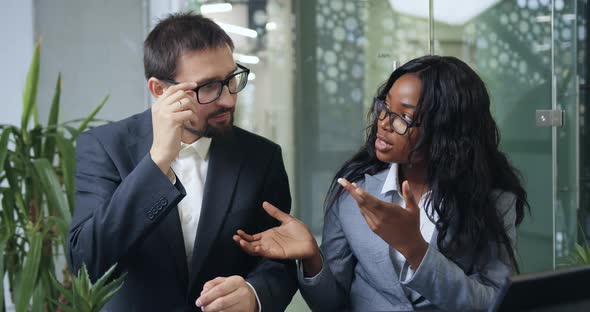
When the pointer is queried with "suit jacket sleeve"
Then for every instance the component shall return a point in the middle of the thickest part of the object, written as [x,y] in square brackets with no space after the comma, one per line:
[114,213]
[275,281]
[446,285]
[329,290]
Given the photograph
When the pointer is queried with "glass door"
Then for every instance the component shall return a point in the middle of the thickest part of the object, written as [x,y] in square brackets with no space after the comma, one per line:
[526,52]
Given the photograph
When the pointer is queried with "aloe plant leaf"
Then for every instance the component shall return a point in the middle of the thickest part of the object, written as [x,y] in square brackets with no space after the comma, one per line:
[49,147]
[4,146]
[90,117]
[52,188]
[30,92]
[29,274]
[68,165]
[3,240]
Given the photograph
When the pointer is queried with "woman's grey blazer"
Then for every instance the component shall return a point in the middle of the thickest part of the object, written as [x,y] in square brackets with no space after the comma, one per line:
[360,276]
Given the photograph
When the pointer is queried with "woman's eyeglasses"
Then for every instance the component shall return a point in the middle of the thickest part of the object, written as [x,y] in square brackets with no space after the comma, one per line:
[398,123]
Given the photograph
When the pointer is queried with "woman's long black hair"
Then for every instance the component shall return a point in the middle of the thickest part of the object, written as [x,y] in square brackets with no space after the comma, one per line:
[460,140]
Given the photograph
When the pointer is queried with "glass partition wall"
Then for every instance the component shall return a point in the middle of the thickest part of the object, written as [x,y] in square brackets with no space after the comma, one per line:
[532,56]
[318,63]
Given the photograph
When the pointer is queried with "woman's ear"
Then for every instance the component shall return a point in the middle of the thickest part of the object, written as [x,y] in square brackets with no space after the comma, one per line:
[156,87]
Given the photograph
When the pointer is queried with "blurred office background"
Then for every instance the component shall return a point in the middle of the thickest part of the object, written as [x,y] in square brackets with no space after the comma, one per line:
[316,65]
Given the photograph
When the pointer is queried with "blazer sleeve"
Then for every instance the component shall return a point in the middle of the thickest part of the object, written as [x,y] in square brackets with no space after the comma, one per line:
[447,286]
[329,289]
[275,281]
[113,214]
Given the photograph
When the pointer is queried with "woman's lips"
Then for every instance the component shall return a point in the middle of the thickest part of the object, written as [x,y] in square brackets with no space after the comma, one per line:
[382,145]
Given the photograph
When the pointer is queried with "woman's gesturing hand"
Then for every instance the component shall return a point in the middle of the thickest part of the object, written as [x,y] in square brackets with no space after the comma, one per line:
[398,226]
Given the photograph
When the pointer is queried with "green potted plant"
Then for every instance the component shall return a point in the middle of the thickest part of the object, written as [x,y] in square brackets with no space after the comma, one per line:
[37,200]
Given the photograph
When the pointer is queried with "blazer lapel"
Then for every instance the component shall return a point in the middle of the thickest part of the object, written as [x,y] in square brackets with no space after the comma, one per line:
[170,228]
[382,256]
[374,185]
[225,162]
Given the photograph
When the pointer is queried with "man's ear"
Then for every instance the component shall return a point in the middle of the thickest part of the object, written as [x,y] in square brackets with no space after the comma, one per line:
[156,87]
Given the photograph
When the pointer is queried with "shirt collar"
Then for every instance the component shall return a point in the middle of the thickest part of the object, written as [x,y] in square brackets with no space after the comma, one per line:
[200,147]
[392,180]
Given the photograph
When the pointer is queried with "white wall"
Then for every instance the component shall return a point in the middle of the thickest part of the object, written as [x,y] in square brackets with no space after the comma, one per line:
[16,36]
[97,46]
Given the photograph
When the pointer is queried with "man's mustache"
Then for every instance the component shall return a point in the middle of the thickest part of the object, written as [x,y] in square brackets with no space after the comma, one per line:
[219,112]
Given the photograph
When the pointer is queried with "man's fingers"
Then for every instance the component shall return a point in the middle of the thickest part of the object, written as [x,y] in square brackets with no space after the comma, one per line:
[223,286]
[212,283]
[226,303]
[182,116]
[173,88]
[178,101]
[276,212]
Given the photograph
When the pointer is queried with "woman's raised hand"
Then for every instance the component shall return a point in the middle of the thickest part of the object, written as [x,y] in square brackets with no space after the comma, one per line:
[291,240]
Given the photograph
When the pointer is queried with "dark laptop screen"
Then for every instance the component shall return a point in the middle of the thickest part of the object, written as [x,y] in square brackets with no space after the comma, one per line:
[561,290]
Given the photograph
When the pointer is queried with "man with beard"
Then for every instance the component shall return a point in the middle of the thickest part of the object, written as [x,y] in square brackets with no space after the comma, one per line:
[161,193]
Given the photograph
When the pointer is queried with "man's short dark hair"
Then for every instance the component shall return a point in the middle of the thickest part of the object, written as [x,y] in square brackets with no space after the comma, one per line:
[176,34]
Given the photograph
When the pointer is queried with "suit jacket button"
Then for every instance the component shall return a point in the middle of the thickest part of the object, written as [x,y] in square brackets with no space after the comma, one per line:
[163,202]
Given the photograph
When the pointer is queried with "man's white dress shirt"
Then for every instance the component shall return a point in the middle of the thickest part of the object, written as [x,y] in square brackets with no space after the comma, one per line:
[191,168]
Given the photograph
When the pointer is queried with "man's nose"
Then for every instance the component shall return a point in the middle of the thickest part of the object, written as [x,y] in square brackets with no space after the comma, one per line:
[226,99]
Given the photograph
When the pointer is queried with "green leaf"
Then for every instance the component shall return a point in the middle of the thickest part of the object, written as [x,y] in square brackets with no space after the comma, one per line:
[68,165]
[64,307]
[4,146]
[36,135]
[49,147]
[30,92]
[582,254]
[104,278]
[90,117]
[29,274]
[104,294]
[73,132]
[16,191]
[61,289]
[3,239]
[52,189]
[82,281]
[38,299]
[8,207]
[62,227]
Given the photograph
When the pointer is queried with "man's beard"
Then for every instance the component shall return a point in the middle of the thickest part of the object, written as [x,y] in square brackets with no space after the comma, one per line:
[209,131]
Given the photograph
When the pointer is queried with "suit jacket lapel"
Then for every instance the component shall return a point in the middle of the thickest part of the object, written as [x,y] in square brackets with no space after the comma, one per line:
[225,162]
[170,228]
[374,185]
[390,280]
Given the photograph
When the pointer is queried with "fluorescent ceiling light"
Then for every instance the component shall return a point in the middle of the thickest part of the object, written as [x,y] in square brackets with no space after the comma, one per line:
[453,12]
[215,8]
[247,59]
[543,19]
[243,31]
[271,26]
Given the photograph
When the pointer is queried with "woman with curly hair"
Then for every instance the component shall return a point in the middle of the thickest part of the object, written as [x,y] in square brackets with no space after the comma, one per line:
[424,216]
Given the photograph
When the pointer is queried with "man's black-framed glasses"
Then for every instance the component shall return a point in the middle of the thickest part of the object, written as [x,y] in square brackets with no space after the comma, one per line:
[211,91]
[398,123]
